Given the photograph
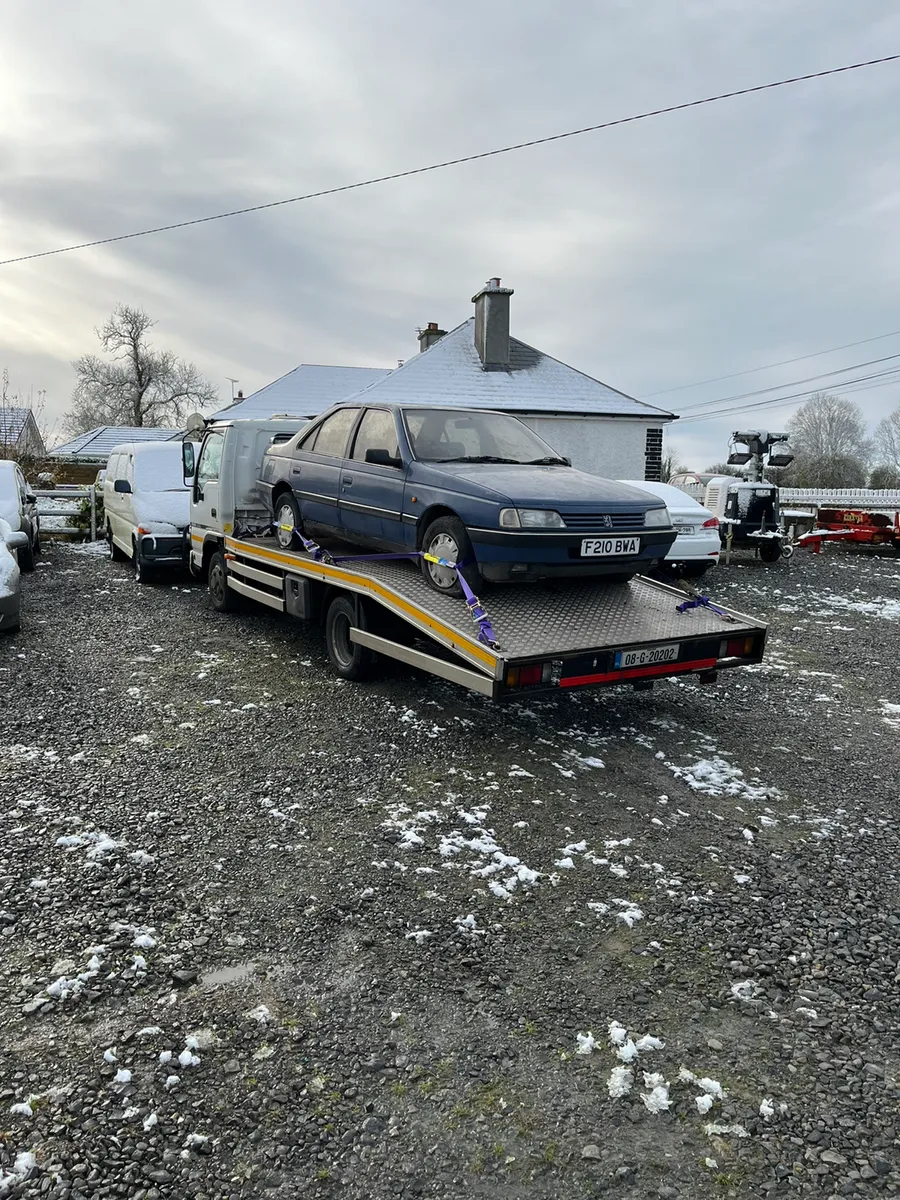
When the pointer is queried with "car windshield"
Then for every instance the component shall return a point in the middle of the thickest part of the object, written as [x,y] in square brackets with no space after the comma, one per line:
[447,435]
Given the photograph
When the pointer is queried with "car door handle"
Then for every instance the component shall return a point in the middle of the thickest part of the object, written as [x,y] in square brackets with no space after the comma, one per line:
[295,470]
[348,479]
[212,512]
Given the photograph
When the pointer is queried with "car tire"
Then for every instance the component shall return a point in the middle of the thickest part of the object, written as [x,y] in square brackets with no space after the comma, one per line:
[221,596]
[287,511]
[770,550]
[25,557]
[448,538]
[348,659]
[115,554]
[36,546]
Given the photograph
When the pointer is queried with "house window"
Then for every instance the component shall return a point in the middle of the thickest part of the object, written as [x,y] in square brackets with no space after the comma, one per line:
[653,455]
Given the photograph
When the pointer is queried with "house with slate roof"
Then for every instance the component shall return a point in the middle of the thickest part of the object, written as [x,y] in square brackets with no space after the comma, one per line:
[480,365]
[94,446]
[19,433]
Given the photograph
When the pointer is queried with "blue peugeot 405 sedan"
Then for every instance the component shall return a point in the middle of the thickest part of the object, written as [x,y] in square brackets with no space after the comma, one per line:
[470,486]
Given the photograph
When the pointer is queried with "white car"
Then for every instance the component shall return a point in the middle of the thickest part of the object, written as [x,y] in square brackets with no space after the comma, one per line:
[697,543]
[12,543]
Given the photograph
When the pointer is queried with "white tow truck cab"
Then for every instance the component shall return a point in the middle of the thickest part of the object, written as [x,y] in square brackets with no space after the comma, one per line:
[224,475]
[519,639]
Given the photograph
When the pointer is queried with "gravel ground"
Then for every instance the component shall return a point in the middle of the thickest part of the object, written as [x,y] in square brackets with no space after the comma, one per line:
[268,934]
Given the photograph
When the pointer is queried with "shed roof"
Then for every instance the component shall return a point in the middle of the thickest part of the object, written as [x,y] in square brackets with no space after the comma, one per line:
[451,373]
[96,444]
[304,392]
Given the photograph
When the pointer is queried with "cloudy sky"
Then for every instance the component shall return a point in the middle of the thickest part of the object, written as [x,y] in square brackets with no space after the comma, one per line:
[651,256]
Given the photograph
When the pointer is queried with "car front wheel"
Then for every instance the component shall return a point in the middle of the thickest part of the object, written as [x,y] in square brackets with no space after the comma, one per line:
[447,538]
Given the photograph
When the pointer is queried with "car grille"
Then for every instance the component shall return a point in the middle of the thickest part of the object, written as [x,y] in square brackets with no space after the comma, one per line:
[596,522]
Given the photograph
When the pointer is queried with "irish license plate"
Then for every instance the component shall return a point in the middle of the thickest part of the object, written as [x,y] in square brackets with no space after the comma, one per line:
[684,529]
[646,656]
[610,547]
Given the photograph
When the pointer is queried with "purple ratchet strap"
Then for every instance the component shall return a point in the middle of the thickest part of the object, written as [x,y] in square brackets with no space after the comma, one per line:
[476,608]
[703,602]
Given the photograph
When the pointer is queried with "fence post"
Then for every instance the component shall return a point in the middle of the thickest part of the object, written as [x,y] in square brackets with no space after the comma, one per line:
[93,495]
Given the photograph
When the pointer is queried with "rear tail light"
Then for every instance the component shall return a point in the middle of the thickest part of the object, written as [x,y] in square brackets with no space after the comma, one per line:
[740,647]
[529,675]
[712,523]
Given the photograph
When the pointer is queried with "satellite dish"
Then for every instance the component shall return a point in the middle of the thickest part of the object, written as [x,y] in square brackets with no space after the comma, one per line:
[194,426]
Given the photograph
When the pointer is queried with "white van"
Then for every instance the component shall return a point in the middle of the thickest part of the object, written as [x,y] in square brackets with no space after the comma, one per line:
[147,507]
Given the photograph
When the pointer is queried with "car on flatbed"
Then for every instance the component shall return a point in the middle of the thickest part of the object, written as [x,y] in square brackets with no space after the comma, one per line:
[467,486]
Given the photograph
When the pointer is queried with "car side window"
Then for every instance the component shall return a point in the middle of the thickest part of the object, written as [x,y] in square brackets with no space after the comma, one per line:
[129,470]
[210,460]
[333,433]
[376,431]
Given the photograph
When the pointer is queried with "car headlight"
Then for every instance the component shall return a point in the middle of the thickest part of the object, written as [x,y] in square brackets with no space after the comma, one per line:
[656,517]
[530,518]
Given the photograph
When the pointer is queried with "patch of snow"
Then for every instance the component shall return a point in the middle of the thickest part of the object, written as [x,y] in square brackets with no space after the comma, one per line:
[767,1110]
[619,1082]
[585,1043]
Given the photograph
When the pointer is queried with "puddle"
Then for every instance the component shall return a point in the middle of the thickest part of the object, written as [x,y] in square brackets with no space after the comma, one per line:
[227,975]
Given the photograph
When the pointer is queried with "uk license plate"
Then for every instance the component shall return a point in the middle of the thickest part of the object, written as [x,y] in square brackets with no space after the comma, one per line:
[646,656]
[610,547]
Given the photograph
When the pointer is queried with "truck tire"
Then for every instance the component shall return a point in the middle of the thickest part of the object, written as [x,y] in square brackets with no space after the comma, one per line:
[287,512]
[115,553]
[448,538]
[221,596]
[349,660]
[770,550]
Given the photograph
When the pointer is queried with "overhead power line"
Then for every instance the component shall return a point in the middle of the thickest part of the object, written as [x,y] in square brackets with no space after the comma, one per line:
[454,162]
[882,378]
[778,387]
[784,362]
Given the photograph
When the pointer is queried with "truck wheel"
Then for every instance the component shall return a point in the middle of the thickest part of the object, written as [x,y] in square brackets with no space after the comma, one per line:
[350,661]
[222,597]
[287,512]
[114,552]
[770,550]
[447,538]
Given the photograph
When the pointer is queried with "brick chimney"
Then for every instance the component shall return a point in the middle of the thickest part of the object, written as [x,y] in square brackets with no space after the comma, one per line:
[429,335]
[492,325]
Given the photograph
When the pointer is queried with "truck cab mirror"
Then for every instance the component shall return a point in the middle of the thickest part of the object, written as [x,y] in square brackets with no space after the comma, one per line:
[188,462]
[30,498]
[123,486]
[382,458]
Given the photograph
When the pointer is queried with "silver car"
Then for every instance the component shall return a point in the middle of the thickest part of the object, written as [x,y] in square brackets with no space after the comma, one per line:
[12,543]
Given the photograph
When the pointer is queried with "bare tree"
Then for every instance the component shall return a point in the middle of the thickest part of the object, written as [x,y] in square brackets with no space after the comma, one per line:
[670,466]
[887,442]
[830,443]
[139,385]
[724,469]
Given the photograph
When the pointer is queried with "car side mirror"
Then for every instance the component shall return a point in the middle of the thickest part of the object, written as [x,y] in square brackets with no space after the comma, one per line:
[17,540]
[30,498]
[382,458]
[188,463]
[122,485]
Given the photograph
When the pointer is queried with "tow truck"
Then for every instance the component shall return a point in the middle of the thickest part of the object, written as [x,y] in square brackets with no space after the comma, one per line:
[522,639]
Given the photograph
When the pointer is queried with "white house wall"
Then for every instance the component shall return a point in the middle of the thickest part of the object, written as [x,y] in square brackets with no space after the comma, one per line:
[609,446]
